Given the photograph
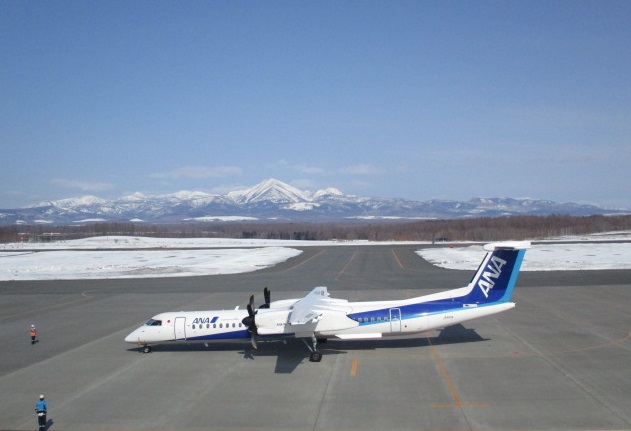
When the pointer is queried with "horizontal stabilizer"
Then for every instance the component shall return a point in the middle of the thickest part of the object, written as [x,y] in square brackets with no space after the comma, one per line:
[508,245]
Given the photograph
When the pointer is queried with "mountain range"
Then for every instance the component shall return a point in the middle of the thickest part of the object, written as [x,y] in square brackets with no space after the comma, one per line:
[275,200]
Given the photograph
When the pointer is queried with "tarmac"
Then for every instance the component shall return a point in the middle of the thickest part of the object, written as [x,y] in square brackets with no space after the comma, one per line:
[560,360]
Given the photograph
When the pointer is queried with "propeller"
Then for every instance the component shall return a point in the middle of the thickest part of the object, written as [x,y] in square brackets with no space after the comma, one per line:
[250,319]
[267,296]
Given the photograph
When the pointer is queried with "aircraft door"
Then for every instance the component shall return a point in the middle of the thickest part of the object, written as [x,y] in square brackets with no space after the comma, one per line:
[179,328]
[395,320]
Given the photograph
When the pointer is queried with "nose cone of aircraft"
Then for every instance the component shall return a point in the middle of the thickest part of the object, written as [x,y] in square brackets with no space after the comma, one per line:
[134,337]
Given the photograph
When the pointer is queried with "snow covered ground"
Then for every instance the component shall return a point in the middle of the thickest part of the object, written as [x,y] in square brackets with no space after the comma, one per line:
[140,257]
[541,257]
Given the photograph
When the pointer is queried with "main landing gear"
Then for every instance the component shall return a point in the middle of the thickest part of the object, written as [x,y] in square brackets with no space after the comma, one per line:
[315,355]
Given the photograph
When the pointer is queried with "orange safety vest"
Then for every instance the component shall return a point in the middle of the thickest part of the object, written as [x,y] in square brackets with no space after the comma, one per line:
[33,332]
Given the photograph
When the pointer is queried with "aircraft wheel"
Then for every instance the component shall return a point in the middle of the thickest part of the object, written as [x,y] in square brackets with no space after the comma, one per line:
[315,356]
[146,349]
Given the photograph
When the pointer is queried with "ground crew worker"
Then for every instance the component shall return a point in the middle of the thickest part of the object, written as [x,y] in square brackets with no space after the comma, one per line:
[41,408]
[33,334]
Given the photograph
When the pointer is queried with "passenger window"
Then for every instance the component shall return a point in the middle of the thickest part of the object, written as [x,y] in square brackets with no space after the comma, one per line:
[221,325]
[214,325]
[207,325]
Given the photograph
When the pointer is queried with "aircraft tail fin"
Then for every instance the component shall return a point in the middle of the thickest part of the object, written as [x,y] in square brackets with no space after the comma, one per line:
[495,279]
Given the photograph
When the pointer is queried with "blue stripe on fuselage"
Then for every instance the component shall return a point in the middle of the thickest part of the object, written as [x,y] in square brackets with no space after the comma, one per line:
[501,292]
[232,335]
[409,311]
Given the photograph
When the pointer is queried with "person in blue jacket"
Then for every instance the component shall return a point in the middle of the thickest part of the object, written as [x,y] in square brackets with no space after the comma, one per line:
[41,408]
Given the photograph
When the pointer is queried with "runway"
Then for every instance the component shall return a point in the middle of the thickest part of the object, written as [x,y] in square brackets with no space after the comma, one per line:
[560,360]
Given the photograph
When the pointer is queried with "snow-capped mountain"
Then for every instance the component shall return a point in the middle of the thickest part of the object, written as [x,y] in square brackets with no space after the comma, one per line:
[270,190]
[274,200]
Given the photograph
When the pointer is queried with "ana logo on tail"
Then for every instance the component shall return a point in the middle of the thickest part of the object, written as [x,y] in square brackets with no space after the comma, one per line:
[487,280]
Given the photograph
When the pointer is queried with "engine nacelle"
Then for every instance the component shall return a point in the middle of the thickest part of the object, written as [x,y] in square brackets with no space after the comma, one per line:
[271,321]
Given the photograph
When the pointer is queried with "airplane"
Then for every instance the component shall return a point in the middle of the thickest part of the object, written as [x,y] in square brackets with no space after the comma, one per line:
[319,317]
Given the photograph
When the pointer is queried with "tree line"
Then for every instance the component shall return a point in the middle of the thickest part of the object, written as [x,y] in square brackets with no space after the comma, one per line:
[472,229]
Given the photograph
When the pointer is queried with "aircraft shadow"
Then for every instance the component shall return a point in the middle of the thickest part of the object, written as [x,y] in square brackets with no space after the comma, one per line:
[456,334]
[292,352]
[289,353]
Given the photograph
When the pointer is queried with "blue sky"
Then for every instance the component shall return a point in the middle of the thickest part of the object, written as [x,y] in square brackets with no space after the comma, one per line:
[410,99]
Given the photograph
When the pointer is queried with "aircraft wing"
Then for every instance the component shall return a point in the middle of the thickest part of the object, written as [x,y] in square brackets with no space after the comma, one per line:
[313,305]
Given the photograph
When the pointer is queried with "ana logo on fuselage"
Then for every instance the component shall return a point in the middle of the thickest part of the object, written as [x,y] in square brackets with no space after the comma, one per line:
[200,320]
[489,276]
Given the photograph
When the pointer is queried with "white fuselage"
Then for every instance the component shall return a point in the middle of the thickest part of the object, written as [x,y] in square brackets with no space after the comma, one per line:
[363,320]
[319,316]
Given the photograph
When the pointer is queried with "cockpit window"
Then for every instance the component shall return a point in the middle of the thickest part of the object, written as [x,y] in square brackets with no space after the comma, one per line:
[152,322]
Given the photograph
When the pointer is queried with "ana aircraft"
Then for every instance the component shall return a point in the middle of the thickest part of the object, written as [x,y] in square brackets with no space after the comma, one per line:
[317,316]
